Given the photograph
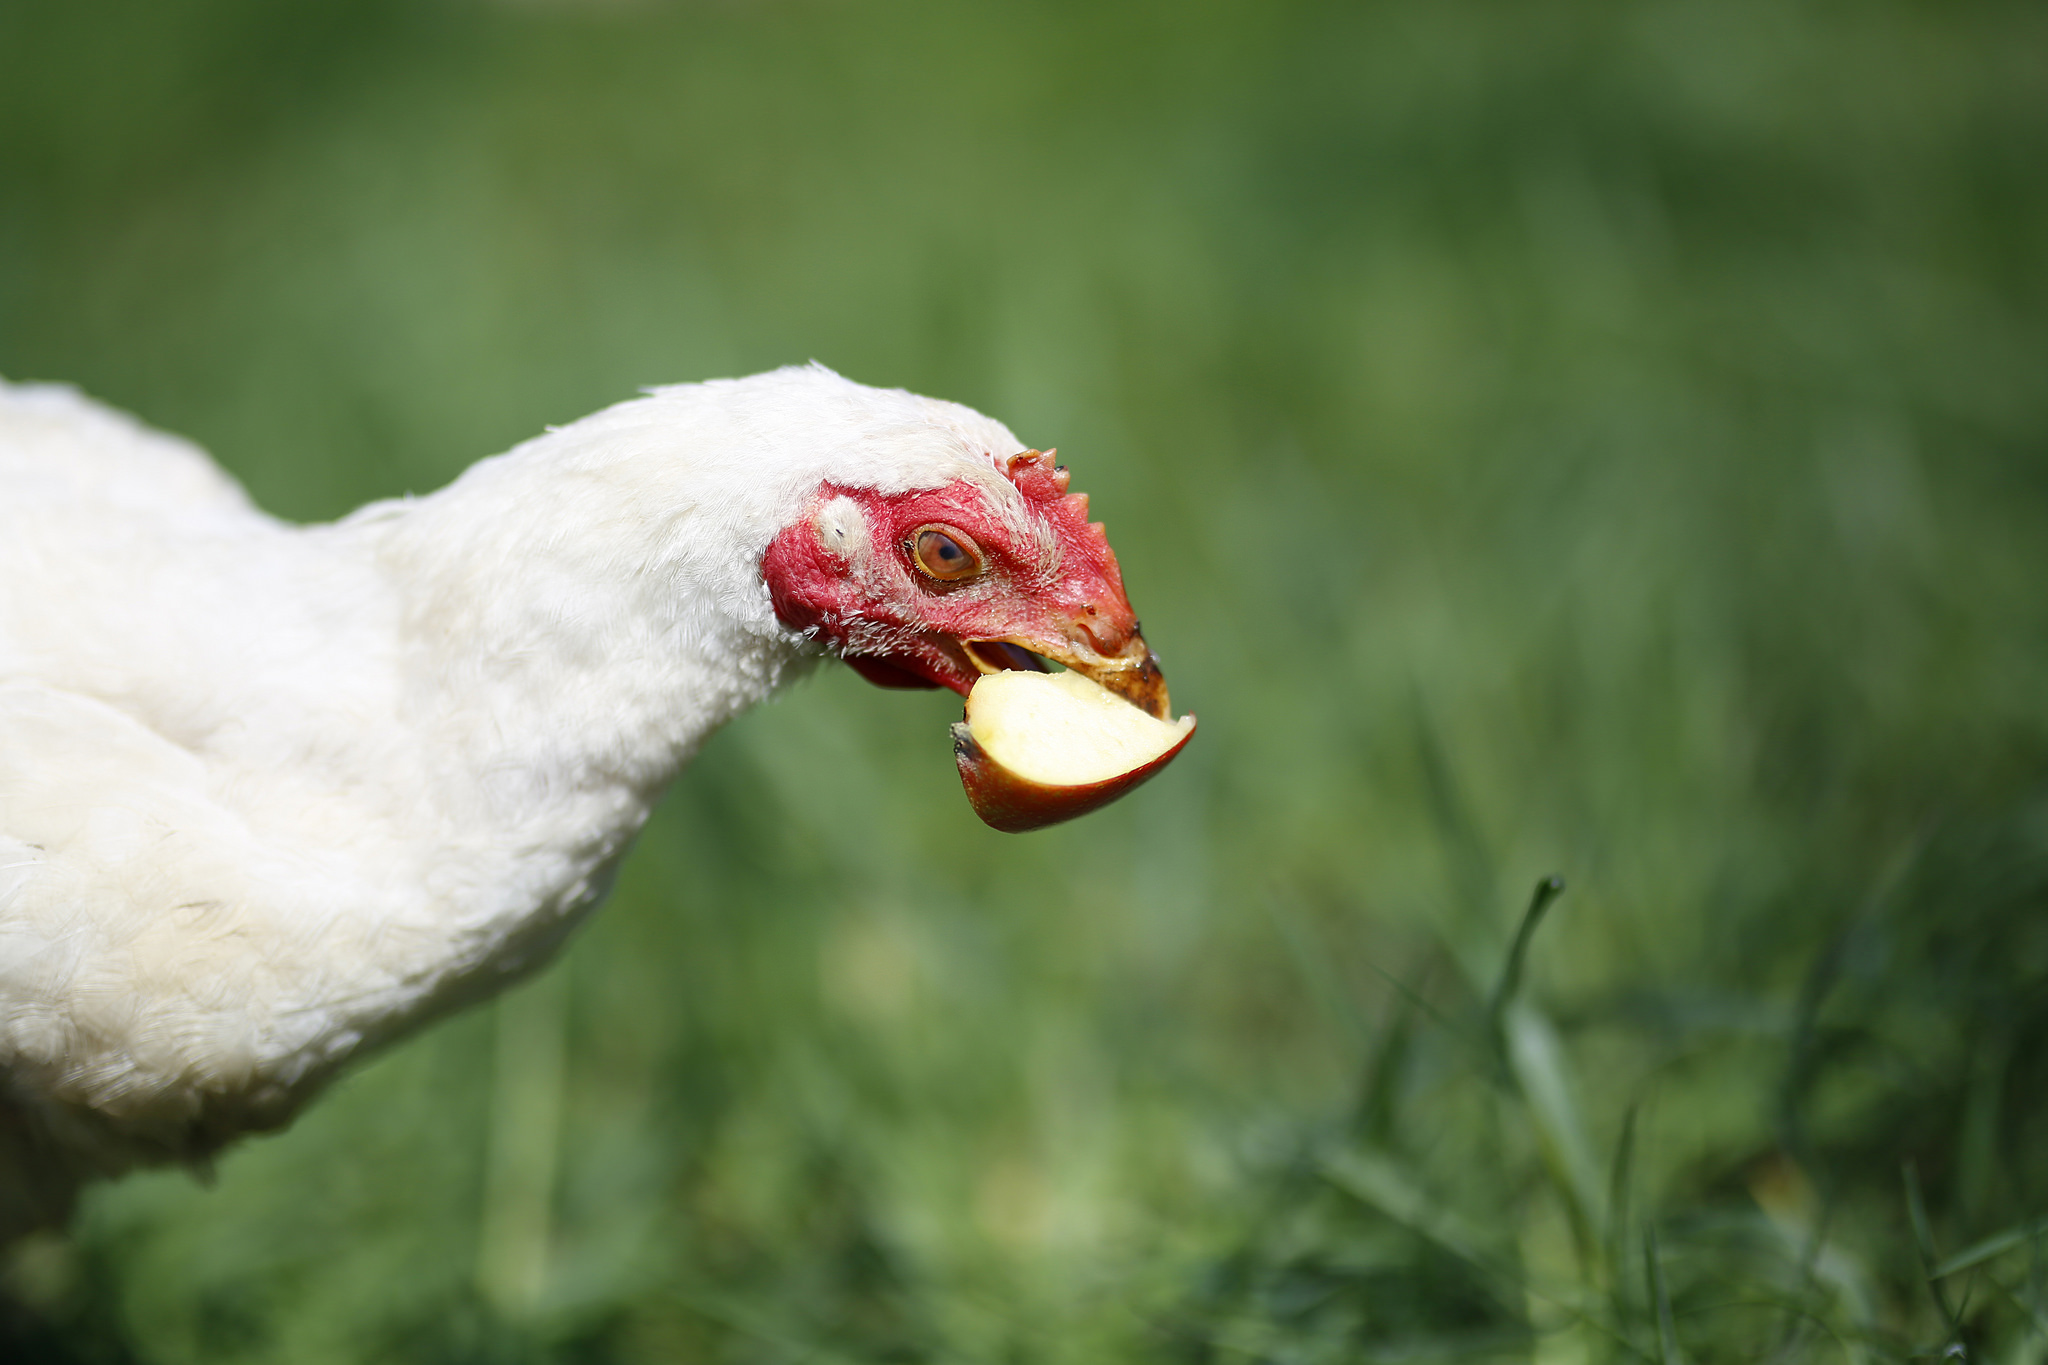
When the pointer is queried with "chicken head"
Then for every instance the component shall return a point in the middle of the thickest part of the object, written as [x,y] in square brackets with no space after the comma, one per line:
[934,587]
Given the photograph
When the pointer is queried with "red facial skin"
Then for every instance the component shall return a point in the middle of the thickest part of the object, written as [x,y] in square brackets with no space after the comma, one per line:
[900,627]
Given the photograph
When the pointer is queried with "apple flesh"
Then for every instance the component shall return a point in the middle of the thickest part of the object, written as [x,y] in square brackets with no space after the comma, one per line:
[1039,748]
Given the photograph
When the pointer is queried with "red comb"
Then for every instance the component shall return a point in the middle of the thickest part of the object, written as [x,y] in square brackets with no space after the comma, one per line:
[1043,482]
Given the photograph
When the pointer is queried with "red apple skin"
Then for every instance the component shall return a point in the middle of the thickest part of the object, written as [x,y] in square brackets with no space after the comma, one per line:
[1014,804]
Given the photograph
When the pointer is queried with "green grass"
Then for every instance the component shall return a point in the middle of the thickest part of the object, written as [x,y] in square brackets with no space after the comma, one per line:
[1597,440]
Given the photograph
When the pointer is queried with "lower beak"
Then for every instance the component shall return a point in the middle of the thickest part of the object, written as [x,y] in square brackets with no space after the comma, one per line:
[1132,673]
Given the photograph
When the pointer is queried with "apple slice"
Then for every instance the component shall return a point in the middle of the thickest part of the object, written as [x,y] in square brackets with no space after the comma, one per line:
[1039,748]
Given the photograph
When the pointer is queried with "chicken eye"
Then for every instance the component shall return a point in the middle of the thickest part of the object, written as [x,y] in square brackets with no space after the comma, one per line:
[946,555]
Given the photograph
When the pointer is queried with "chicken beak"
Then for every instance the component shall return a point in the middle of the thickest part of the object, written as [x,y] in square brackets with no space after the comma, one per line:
[1132,673]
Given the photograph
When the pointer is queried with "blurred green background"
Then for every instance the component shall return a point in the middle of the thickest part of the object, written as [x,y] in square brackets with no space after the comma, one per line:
[1599,439]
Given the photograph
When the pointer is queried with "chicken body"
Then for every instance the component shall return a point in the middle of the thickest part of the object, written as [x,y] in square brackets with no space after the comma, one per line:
[271,795]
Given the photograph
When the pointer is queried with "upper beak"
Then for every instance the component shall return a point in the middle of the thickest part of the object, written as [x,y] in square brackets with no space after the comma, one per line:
[1132,672]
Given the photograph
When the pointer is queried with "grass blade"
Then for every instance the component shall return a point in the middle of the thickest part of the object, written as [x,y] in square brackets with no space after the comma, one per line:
[1660,1299]
[1990,1248]
[1547,891]
[1923,1242]
[1620,1177]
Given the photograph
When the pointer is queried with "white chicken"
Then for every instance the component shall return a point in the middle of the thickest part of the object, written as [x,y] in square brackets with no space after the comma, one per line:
[273,795]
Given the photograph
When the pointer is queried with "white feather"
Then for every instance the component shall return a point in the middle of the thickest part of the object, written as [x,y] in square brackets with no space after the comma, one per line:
[270,794]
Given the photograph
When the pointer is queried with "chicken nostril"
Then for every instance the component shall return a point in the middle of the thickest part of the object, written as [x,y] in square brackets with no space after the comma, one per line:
[1092,632]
